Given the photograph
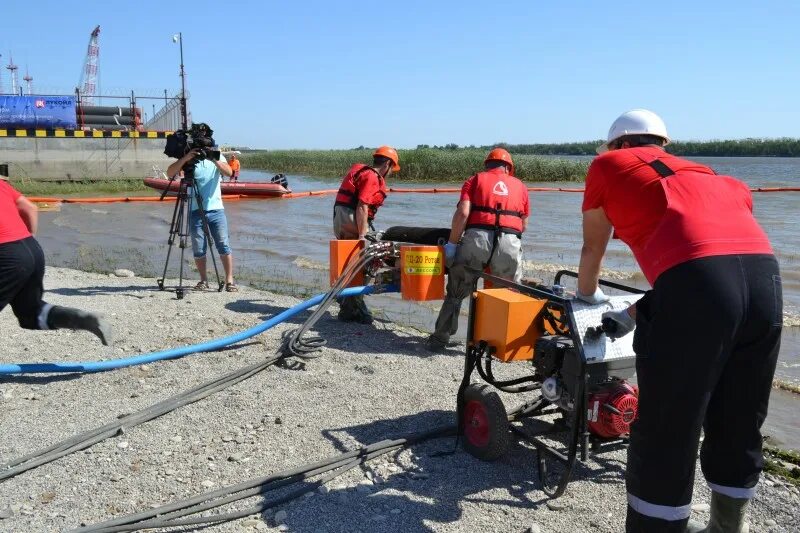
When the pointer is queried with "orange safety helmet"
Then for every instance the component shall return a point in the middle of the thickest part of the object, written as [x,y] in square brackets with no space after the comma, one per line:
[389,153]
[500,154]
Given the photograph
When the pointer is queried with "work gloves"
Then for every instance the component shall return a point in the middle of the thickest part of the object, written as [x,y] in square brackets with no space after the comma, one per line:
[450,252]
[617,324]
[593,299]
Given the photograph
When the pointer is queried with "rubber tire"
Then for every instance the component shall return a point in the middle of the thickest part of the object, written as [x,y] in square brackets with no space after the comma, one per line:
[496,419]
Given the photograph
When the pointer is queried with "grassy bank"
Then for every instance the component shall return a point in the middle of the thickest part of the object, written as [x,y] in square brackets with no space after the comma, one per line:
[421,164]
[87,188]
[782,147]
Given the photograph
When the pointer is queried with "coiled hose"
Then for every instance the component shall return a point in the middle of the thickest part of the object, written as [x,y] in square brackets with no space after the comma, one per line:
[309,348]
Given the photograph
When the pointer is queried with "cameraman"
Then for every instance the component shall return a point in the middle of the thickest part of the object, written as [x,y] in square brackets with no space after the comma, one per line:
[207,177]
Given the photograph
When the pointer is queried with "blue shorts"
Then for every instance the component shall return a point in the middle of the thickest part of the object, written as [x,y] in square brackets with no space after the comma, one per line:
[217,224]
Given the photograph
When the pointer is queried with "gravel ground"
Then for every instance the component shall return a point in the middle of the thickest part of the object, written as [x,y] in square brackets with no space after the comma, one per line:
[372,382]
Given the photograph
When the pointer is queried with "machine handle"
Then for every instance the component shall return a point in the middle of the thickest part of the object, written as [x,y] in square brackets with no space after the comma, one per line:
[602,282]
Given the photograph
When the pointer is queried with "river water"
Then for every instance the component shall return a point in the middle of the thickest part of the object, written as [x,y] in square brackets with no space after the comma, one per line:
[283,245]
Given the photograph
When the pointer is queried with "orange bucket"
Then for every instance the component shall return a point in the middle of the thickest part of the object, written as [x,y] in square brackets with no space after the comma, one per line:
[341,253]
[422,272]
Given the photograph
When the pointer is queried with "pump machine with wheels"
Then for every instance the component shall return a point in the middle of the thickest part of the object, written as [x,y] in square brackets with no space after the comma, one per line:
[576,375]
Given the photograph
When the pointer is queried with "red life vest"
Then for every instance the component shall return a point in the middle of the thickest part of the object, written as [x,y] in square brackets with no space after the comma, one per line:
[497,201]
[352,185]
[706,215]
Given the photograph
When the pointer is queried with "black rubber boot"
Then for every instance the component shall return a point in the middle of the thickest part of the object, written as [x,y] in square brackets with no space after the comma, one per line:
[69,318]
[727,516]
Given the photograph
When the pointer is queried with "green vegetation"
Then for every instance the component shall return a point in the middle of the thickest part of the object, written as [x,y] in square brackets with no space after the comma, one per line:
[421,164]
[31,187]
[782,147]
[782,463]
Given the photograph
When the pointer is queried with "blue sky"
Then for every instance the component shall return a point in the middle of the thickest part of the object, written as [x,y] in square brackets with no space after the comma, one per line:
[341,74]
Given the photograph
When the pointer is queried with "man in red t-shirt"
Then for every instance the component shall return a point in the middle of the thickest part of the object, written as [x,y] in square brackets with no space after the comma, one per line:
[22,272]
[708,333]
[360,195]
[486,230]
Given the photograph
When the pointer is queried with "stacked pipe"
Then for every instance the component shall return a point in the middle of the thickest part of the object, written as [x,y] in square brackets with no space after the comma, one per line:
[109,117]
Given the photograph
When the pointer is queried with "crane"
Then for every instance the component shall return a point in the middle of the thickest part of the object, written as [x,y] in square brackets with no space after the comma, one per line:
[88,83]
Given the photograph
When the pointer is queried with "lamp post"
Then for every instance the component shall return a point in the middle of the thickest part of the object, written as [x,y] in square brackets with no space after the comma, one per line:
[178,38]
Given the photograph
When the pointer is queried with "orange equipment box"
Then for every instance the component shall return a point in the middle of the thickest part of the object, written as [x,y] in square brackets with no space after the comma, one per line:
[508,321]
[422,272]
[342,252]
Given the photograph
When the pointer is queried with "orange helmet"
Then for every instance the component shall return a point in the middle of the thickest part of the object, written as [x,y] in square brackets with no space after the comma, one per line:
[499,154]
[389,153]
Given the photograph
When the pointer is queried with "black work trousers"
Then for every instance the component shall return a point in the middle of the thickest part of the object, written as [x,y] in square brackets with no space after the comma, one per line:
[21,275]
[706,342]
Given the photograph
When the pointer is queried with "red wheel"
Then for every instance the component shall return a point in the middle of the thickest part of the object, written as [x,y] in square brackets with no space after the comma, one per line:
[486,433]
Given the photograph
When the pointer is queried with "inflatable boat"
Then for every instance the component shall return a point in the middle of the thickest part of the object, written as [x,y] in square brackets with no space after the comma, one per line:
[277,187]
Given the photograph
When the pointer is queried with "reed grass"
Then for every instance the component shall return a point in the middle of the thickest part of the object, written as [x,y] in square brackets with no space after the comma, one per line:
[32,187]
[421,164]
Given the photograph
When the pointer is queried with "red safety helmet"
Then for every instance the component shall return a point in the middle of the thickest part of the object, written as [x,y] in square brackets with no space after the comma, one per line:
[389,153]
[500,154]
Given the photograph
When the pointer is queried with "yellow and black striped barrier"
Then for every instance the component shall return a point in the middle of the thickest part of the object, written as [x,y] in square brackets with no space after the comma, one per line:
[81,134]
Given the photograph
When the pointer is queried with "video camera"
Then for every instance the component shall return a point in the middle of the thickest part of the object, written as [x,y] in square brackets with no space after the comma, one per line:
[199,137]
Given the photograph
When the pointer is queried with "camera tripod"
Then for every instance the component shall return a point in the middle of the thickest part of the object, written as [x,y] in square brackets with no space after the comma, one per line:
[180,229]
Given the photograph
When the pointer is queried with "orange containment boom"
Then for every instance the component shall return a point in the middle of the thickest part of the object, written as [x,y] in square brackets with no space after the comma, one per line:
[422,273]
[508,321]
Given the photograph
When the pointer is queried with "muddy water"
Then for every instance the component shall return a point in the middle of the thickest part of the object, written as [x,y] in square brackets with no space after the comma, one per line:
[283,244]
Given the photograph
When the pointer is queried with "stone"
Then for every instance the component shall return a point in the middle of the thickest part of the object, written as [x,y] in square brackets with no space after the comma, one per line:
[283,527]
[701,507]
[227,438]
[122,445]
[278,420]
[554,505]
[207,483]
[236,458]
[395,511]
[176,438]
[324,489]
[251,522]
[533,528]
[124,273]
[6,513]
[280,517]
[770,523]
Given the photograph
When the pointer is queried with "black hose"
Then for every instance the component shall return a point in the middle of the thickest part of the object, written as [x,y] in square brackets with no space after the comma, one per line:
[89,438]
[167,515]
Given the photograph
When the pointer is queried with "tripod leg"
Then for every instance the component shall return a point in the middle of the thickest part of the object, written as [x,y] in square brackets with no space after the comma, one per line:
[209,238]
[184,232]
[174,229]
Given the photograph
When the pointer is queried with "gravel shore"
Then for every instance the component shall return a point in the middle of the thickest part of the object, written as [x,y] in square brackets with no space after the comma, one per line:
[372,382]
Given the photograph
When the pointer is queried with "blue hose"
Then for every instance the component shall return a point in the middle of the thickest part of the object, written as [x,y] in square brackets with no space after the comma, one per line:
[174,353]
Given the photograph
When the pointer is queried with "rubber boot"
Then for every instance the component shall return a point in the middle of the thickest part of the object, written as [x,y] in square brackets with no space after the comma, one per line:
[69,318]
[727,516]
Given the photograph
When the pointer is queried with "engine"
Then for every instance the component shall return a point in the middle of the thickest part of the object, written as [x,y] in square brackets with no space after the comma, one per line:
[612,408]
[612,402]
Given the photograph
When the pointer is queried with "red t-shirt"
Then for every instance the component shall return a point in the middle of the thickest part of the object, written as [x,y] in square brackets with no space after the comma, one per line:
[12,227]
[668,221]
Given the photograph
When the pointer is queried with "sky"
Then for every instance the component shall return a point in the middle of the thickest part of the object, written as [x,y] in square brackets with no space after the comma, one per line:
[339,74]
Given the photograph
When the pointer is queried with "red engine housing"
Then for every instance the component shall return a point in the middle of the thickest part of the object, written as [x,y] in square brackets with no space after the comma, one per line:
[612,409]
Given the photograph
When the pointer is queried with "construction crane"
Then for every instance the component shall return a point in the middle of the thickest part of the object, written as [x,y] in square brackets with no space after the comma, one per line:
[13,68]
[88,83]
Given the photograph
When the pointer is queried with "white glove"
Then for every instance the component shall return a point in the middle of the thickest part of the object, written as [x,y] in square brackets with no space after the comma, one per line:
[593,299]
[617,324]
[450,251]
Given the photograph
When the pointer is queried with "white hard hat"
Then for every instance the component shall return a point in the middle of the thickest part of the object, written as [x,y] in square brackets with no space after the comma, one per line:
[635,122]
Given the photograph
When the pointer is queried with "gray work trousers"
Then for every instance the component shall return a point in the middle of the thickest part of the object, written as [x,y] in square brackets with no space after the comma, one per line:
[344,227]
[474,251]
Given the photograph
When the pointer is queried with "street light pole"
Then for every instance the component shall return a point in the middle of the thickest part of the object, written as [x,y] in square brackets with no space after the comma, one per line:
[184,114]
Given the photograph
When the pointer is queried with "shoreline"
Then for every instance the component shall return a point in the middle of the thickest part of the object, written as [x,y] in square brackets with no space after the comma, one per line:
[372,382]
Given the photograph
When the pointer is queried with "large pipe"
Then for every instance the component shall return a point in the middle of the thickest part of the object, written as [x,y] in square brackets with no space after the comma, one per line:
[174,353]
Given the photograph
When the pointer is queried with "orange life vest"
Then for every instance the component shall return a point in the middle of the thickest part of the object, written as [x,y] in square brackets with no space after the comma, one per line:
[497,202]
[351,186]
